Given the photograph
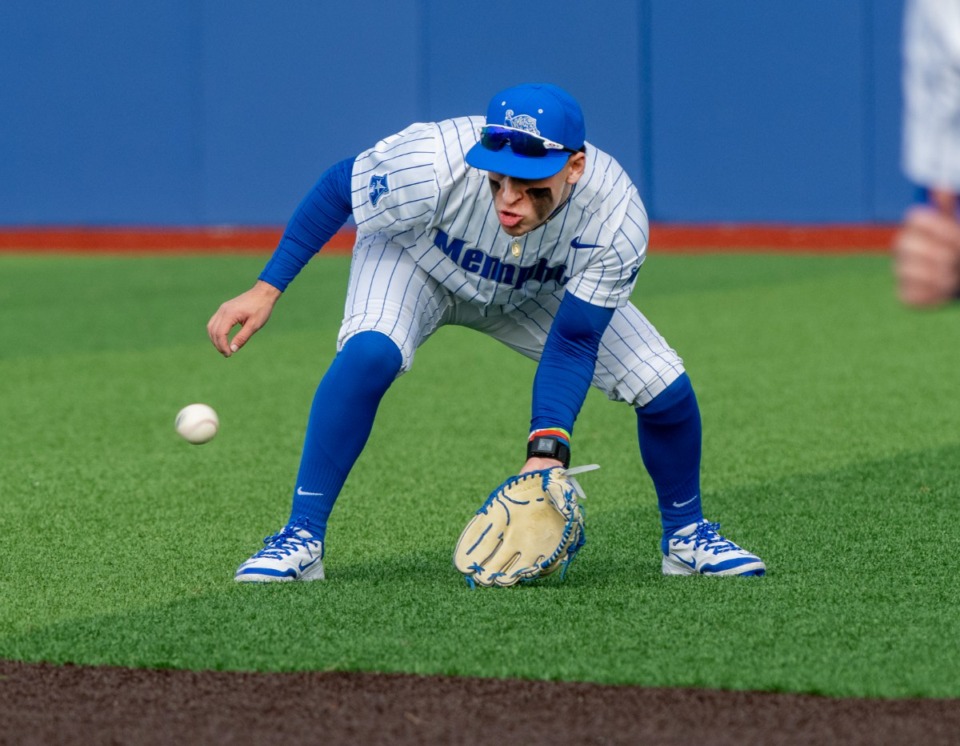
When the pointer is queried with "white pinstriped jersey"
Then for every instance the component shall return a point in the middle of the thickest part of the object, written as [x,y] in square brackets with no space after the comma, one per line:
[931,84]
[416,188]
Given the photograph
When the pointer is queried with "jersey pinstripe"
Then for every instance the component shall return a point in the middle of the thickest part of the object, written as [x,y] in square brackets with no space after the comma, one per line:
[430,252]
[415,189]
[931,86]
[389,293]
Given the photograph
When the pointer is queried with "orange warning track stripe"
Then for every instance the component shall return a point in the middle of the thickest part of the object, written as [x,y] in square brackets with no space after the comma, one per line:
[664,237]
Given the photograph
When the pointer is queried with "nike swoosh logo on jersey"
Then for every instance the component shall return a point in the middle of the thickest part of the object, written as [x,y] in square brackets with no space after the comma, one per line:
[304,566]
[685,502]
[575,243]
[303,493]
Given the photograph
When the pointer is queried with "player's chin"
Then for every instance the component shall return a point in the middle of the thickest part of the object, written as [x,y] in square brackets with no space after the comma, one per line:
[520,229]
[515,231]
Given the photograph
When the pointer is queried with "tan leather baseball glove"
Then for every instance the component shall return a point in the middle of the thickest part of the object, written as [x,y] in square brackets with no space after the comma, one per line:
[529,527]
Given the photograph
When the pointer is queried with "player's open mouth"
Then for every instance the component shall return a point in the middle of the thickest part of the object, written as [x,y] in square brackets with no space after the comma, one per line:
[509,219]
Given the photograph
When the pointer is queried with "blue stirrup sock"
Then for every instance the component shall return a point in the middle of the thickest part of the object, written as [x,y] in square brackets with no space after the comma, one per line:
[670,433]
[341,418]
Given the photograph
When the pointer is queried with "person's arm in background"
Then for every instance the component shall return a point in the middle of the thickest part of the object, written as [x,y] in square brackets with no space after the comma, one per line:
[927,247]
[927,252]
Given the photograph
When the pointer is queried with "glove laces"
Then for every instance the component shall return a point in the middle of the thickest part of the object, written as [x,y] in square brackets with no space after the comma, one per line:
[568,473]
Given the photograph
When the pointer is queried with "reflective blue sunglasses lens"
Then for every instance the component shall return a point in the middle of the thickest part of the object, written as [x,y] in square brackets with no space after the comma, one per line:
[521,143]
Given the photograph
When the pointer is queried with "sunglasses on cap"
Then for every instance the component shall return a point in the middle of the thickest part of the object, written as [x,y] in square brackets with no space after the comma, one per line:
[521,142]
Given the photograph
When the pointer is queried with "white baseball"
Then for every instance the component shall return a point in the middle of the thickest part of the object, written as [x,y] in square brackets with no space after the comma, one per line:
[197,423]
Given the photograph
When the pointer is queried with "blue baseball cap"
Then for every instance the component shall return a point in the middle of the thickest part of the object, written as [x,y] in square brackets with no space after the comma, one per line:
[530,133]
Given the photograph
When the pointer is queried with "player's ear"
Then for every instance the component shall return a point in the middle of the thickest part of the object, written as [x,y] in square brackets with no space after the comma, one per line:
[576,165]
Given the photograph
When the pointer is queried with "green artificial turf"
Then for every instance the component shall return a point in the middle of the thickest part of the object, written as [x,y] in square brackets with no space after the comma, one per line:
[831,448]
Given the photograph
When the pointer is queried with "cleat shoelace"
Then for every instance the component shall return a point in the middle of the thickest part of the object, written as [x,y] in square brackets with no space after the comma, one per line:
[286,542]
[707,537]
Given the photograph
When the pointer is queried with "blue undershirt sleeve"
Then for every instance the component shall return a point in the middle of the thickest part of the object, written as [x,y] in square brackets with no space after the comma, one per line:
[321,214]
[566,367]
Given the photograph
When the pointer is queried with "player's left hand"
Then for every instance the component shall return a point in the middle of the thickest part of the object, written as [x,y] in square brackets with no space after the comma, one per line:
[927,256]
[529,527]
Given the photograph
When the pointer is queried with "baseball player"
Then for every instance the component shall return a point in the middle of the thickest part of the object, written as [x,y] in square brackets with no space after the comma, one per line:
[927,248]
[515,226]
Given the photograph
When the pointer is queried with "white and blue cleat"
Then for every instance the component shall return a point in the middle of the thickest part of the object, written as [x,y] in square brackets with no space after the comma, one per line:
[293,554]
[698,549]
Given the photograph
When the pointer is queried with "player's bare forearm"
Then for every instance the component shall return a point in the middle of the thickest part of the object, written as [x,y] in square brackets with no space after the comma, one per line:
[538,463]
[251,310]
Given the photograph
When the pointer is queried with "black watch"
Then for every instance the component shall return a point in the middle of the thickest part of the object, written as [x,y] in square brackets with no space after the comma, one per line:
[548,447]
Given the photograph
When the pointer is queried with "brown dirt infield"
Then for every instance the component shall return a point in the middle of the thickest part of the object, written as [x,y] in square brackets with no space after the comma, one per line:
[48,704]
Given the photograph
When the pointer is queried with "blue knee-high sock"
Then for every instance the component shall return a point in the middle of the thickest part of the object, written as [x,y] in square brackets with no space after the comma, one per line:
[340,422]
[670,444]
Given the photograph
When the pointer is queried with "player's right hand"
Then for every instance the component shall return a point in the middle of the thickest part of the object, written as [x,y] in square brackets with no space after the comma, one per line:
[251,310]
[927,257]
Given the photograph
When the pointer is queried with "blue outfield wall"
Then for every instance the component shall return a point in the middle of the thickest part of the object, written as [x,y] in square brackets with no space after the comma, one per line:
[208,112]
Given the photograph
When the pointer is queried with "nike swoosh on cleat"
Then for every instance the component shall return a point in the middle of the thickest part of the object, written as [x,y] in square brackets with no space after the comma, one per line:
[692,564]
[685,502]
[309,564]
[575,243]
[303,493]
